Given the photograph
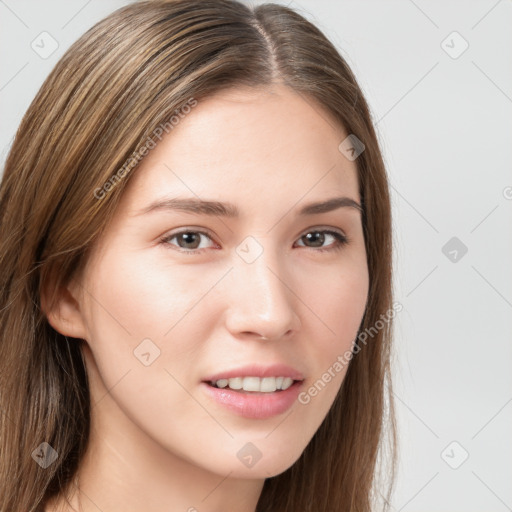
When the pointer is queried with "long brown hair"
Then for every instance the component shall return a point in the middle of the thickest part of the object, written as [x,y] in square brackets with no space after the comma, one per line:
[124,78]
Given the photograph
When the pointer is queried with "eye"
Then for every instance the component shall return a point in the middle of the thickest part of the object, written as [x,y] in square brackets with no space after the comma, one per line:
[189,241]
[318,237]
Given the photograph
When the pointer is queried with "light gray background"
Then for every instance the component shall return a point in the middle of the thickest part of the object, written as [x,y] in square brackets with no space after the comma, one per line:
[445,125]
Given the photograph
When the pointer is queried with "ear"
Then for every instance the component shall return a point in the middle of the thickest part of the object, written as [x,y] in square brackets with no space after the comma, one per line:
[64,312]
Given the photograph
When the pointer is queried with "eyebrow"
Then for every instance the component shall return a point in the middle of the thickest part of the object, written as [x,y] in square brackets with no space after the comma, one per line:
[217,208]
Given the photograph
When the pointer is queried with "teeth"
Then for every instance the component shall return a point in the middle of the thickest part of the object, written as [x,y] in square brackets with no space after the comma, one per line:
[287,382]
[236,383]
[251,384]
[222,383]
[268,385]
[263,385]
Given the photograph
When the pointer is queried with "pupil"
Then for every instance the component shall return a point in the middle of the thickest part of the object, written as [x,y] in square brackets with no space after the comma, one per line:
[317,237]
[187,236]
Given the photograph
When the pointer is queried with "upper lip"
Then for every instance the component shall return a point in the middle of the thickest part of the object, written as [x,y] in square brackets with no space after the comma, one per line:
[254,370]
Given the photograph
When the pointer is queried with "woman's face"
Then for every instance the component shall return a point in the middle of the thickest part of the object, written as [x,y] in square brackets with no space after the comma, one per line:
[173,296]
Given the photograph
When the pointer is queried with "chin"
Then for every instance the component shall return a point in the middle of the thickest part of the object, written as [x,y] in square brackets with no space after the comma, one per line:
[267,467]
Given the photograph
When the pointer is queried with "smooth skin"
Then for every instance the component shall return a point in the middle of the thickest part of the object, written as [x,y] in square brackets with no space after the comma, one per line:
[158,442]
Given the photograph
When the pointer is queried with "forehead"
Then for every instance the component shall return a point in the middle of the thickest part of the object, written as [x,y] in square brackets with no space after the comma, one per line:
[271,142]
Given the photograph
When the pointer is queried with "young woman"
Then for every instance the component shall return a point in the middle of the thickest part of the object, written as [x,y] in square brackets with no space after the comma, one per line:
[195,261]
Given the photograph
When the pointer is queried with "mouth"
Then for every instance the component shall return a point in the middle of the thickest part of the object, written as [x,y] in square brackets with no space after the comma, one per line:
[253,397]
[254,385]
[255,391]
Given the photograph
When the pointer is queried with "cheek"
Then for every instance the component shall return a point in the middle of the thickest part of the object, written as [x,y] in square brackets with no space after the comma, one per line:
[338,306]
[337,298]
[142,297]
[134,303]
[152,320]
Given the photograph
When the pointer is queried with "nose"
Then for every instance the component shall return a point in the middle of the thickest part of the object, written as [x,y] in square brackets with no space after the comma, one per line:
[261,301]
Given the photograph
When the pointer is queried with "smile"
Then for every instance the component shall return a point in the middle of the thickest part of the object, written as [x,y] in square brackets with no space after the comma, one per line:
[255,384]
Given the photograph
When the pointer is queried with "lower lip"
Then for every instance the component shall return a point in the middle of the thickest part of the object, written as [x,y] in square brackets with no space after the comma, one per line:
[254,405]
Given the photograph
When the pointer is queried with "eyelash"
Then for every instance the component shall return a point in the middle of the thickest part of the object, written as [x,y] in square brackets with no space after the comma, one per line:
[341,240]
